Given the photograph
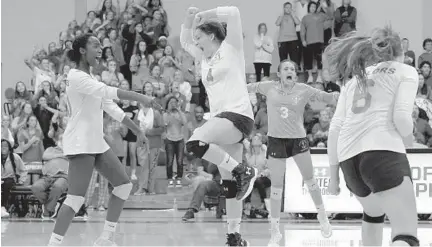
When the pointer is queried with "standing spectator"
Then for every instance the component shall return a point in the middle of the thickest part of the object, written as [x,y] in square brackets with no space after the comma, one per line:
[47,91]
[106,5]
[117,50]
[53,183]
[425,68]
[130,138]
[159,87]
[168,64]
[427,55]
[263,51]
[301,10]
[102,201]
[139,66]
[41,73]
[409,54]
[30,139]
[132,34]
[44,114]
[151,122]
[184,87]
[288,40]
[328,9]
[12,172]
[175,92]
[345,18]
[174,121]
[312,35]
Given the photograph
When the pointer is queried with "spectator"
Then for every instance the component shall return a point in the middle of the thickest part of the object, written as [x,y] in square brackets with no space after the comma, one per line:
[425,68]
[175,92]
[44,114]
[263,51]
[423,90]
[102,201]
[130,138]
[256,157]
[58,126]
[13,172]
[168,64]
[151,122]
[112,77]
[148,89]
[62,76]
[261,120]
[345,19]
[409,54]
[6,130]
[114,133]
[320,129]
[288,40]
[22,95]
[47,91]
[209,184]
[174,120]
[422,130]
[301,10]
[31,140]
[139,66]
[327,8]
[184,88]
[131,38]
[312,35]
[427,55]
[41,72]
[155,78]
[53,183]
[159,23]
[20,122]
[106,5]
[253,96]
[330,87]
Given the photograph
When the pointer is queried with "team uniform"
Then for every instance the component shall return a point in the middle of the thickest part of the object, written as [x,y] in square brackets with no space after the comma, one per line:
[224,75]
[286,133]
[369,147]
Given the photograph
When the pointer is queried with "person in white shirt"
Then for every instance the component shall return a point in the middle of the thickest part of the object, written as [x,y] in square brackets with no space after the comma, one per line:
[219,140]
[263,52]
[370,129]
[83,139]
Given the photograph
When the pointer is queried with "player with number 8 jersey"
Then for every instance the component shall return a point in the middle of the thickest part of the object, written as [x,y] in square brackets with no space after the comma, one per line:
[286,101]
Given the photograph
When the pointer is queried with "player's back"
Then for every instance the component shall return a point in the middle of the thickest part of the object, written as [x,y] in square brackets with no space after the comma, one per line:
[369,112]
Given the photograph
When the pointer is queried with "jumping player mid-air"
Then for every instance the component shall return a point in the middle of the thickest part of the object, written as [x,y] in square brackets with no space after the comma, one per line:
[286,101]
[219,140]
[83,139]
[369,131]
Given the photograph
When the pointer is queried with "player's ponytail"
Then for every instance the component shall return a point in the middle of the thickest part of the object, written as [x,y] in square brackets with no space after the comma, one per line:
[74,55]
[350,55]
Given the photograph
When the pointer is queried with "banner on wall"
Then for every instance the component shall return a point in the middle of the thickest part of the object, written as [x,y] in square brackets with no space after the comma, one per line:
[297,199]
[344,237]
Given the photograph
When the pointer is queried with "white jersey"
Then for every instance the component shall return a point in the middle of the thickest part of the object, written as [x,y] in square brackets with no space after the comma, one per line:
[87,99]
[376,119]
[224,74]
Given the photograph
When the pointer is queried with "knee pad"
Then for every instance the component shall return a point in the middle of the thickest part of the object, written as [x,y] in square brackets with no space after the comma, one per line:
[229,188]
[122,191]
[75,202]
[197,148]
[411,240]
[276,193]
[312,184]
[374,220]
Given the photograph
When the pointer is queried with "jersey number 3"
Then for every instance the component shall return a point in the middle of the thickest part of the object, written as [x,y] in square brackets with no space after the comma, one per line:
[362,100]
[284,112]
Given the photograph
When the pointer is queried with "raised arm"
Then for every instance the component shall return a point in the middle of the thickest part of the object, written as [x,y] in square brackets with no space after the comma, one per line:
[335,126]
[260,87]
[186,34]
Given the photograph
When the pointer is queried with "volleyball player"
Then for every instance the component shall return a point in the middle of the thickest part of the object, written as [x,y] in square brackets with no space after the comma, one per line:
[83,141]
[223,74]
[286,101]
[368,131]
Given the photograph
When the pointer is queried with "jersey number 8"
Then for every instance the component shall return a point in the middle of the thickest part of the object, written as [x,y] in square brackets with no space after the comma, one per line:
[362,100]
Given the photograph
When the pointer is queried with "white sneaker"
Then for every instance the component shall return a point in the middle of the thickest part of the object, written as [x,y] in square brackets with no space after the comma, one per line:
[275,238]
[310,79]
[319,79]
[133,176]
[104,242]
[179,183]
[326,228]
[171,184]
[4,213]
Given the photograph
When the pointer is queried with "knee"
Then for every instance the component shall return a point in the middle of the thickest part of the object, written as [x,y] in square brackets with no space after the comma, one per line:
[122,191]
[197,148]
[74,202]
[408,239]
[312,184]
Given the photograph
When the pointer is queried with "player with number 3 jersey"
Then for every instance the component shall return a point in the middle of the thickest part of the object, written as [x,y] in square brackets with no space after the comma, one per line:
[368,131]
[286,101]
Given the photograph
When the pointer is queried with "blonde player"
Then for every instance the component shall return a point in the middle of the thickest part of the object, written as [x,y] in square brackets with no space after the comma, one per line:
[368,130]
[83,139]
[223,74]
[286,101]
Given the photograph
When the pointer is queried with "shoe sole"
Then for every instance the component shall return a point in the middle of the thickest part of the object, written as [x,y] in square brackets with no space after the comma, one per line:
[251,185]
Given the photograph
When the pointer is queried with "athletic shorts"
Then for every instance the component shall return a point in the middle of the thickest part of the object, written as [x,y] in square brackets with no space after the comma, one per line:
[375,171]
[242,123]
[283,148]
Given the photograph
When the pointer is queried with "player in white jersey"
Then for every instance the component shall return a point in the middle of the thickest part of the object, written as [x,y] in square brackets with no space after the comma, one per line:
[286,101]
[368,131]
[219,140]
[83,139]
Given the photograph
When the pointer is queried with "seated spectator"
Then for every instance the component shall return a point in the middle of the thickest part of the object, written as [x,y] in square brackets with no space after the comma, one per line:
[19,122]
[150,122]
[208,184]
[425,105]
[148,89]
[256,157]
[139,66]
[184,87]
[174,120]
[422,129]
[320,129]
[112,77]
[409,54]
[22,95]
[41,73]
[263,51]
[309,119]
[345,19]
[31,141]
[424,91]
[6,130]
[427,55]
[53,182]
[13,172]
[425,68]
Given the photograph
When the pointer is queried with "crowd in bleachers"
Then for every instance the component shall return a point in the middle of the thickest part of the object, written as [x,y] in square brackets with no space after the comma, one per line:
[137,56]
